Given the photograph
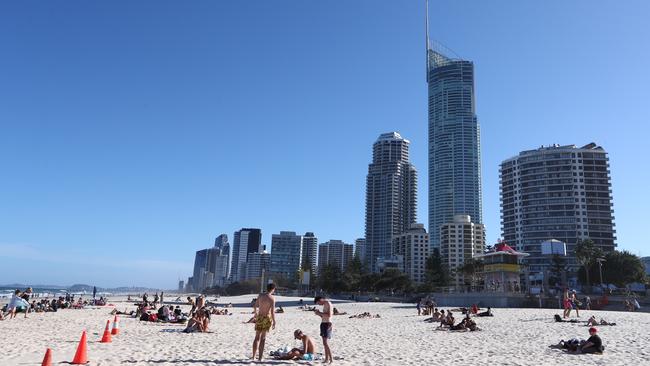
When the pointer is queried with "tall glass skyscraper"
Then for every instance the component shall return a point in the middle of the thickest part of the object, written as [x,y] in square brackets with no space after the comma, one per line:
[454,142]
[391,196]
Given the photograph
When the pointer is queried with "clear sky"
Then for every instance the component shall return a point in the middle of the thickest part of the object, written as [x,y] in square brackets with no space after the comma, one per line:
[134,132]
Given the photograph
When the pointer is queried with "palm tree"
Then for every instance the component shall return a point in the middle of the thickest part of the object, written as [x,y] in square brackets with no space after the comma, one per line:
[586,254]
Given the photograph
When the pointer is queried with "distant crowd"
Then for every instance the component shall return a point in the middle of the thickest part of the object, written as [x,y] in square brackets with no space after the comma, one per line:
[20,302]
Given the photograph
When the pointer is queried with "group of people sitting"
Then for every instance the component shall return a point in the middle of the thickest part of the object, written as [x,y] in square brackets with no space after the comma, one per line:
[164,314]
[20,303]
[448,322]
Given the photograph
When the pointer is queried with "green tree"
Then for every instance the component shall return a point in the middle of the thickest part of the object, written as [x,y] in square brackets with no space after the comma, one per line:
[243,288]
[330,279]
[436,273]
[620,268]
[557,269]
[353,274]
[472,271]
[369,282]
[393,280]
[586,254]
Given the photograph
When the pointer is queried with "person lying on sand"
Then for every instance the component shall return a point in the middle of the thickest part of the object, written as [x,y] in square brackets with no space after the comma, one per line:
[559,319]
[305,353]
[364,315]
[279,310]
[337,312]
[117,312]
[592,322]
[488,312]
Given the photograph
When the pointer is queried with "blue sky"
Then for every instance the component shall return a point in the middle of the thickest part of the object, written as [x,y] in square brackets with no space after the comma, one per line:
[133,133]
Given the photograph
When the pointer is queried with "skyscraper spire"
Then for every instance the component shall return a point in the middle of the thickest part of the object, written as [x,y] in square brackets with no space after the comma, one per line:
[426,23]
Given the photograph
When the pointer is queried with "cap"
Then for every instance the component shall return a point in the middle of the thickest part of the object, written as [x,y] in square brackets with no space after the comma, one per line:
[592,329]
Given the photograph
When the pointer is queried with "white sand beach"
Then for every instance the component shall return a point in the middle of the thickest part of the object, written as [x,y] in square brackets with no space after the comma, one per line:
[399,337]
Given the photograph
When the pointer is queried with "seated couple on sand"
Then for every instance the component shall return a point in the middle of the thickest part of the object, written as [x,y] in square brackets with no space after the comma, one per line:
[467,324]
[306,352]
[592,345]
[199,322]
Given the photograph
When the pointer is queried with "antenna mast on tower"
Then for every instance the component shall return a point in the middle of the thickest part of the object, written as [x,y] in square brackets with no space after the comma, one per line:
[426,23]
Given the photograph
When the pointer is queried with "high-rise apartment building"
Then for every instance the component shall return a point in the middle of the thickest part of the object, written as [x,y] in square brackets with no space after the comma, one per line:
[310,252]
[257,262]
[454,140]
[200,268]
[211,265]
[414,248]
[246,241]
[286,254]
[556,192]
[460,240]
[391,195]
[335,253]
[360,249]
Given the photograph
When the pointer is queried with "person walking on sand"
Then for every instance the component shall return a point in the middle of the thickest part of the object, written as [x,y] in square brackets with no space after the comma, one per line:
[325,325]
[264,319]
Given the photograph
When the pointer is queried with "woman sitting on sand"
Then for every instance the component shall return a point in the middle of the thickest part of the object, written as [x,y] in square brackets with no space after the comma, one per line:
[447,321]
[199,322]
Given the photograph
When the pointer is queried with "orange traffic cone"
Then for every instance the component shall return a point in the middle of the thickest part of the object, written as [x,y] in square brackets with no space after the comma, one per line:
[106,338]
[116,326]
[47,360]
[81,357]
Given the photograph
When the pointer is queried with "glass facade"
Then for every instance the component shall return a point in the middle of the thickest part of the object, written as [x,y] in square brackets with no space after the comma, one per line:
[454,143]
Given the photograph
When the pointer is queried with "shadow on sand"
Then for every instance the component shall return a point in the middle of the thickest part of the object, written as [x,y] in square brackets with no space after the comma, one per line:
[216,362]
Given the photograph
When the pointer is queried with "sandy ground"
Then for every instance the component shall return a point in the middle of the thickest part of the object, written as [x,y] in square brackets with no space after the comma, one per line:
[399,337]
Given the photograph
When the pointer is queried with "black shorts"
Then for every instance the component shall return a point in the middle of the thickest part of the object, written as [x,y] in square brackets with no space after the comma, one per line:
[326,330]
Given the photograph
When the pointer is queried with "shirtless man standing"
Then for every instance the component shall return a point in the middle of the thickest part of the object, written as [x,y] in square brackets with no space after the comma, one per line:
[325,325]
[264,318]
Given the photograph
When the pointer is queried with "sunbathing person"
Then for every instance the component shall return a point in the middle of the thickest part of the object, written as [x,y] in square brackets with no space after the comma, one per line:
[337,312]
[604,322]
[559,319]
[305,353]
[488,312]
[279,310]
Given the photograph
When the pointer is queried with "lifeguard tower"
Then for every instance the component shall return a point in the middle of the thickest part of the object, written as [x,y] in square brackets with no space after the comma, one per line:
[501,268]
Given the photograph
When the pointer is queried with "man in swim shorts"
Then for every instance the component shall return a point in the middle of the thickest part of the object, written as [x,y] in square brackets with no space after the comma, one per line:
[325,325]
[264,319]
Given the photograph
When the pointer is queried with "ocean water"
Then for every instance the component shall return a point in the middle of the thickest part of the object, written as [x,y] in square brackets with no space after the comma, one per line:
[39,292]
